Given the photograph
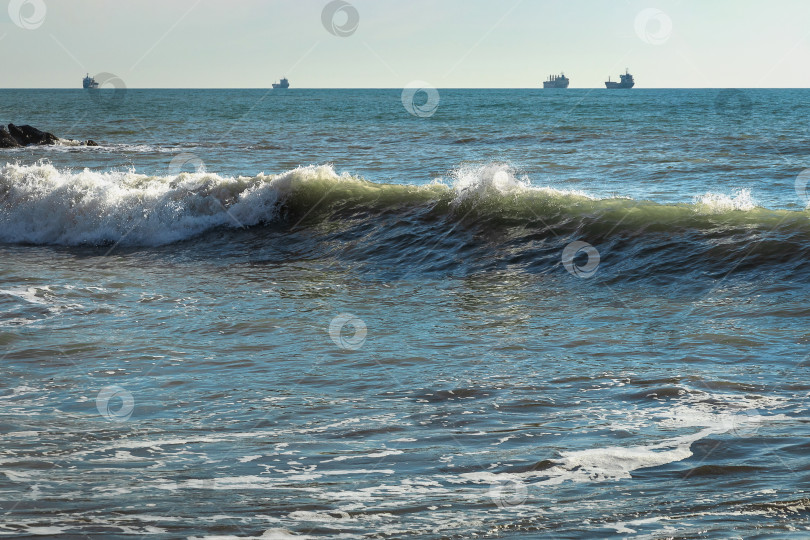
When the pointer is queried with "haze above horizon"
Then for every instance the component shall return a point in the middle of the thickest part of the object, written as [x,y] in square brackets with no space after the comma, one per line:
[389,44]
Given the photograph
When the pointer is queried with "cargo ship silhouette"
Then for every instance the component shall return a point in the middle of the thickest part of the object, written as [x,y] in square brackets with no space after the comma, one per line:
[556,81]
[89,82]
[627,81]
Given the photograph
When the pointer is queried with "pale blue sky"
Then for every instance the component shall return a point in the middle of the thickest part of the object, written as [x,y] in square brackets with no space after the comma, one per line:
[448,43]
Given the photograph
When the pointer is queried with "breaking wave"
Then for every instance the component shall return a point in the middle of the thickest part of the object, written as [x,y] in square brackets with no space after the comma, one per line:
[483,213]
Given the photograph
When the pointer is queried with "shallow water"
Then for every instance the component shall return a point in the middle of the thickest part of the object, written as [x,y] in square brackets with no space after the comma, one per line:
[398,340]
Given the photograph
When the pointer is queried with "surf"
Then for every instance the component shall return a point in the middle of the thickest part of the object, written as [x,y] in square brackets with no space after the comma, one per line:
[476,218]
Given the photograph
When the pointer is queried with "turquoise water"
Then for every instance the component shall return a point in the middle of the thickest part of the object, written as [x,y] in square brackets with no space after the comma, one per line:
[531,313]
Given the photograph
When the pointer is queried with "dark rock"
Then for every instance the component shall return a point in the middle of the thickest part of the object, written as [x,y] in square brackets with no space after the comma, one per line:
[6,140]
[18,135]
[26,135]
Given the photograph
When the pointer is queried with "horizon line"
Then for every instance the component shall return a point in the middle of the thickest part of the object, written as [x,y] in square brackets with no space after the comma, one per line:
[280,90]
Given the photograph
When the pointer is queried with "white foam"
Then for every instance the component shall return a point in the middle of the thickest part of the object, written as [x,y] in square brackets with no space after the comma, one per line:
[719,203]
[26,434]
[269,534]
[28,295]
[319,517]
[71,142]
[72,145]
[22,390]
[699,414]
[615,463]
[19,476]
[41,204]
[499,179]
[45,531]
[380,454]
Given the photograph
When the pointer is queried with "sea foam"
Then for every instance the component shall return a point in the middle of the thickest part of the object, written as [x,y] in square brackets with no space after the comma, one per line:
[41,204]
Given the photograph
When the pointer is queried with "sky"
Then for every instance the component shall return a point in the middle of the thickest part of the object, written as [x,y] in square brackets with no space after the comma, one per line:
[390,43]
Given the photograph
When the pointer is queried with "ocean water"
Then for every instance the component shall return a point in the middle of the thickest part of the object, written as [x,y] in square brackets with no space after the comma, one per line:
[338,313]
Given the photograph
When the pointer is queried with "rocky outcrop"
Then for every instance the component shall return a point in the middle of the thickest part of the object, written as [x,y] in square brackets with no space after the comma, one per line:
[17,136]
[28,135]
[6,140]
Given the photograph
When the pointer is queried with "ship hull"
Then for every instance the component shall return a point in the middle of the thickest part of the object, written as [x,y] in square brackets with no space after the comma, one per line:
[554,84]
[615,85]
[626,81]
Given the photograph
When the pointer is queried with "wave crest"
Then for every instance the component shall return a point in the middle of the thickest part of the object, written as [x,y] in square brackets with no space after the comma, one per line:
[40,204]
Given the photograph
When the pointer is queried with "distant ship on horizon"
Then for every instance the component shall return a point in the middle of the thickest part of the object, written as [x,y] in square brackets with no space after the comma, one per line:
[556,81]
[283,83]
[627,81]
[89,82]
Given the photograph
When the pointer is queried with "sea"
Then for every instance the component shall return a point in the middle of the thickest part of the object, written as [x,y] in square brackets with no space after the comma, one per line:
[420,313]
